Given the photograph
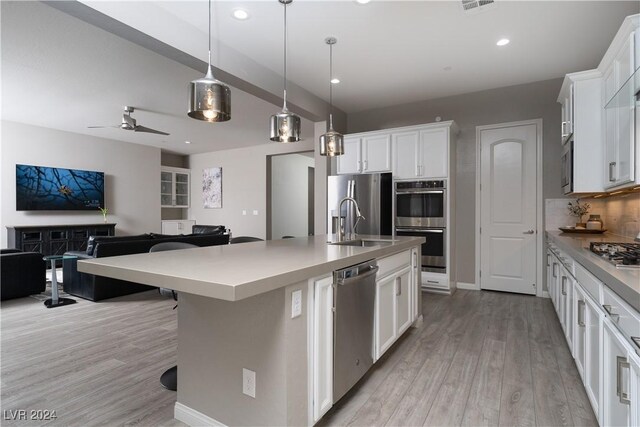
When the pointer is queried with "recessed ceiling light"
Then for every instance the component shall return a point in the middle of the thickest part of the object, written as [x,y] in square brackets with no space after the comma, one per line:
[187,142]
[363,1]
[503,42]
[335,81]
[240,14]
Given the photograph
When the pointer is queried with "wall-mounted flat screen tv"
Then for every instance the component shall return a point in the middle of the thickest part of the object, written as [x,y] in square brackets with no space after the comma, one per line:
[40,188]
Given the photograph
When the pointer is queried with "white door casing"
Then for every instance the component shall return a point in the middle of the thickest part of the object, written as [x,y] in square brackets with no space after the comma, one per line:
[508,198]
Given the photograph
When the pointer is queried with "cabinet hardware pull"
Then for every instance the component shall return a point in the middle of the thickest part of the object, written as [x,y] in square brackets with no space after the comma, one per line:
[581,318]
[564,282]
[615,317]
[621,363]
[398,287]
[555,271]
[562,132]
[432,281]
[366,165]
[415,259]
[611,166]
[548,257]
[528,232]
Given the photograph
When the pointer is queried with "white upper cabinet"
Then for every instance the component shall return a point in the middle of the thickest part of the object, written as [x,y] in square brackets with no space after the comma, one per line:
[583,125]
[174,187]
[367,154]
[350,161]
[620,118]
[405,155]
[422,153]
[434,156]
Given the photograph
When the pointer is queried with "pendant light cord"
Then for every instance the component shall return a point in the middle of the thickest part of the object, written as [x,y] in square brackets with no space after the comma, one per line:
[209,34]
[330,86]
[284,107]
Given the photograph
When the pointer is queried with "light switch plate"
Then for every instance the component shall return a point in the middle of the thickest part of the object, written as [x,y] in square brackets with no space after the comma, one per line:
[255,212]
[296,303]
[244,212]
[249,382]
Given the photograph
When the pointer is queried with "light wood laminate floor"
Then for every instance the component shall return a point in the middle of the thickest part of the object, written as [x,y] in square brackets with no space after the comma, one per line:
[480,358]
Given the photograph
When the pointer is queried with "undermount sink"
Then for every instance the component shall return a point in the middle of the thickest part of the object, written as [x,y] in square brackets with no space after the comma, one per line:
[364,243]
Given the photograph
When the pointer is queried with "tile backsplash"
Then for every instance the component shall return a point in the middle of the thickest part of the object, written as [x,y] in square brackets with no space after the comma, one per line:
[620,214]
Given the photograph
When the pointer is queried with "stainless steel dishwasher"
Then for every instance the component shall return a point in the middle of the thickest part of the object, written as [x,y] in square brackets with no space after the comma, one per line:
[355,293]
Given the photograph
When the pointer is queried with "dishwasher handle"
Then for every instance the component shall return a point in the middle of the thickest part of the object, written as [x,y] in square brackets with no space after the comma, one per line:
[372,271]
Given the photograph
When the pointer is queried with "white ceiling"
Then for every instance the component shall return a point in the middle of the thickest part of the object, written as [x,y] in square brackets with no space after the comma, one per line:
[388,52]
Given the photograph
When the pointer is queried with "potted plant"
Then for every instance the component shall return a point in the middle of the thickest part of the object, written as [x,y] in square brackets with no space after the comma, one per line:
[104,212]
[579,210]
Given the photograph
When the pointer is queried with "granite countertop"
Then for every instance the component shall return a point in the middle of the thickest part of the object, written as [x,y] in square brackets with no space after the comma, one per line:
[235,272]
[624,282]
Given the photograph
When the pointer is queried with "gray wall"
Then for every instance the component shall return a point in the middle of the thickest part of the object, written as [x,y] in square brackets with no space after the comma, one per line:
[508,104]
[132,171]
[244,186]
[290,195]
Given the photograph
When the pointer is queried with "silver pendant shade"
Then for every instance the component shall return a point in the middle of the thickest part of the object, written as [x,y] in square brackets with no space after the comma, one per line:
[285,126]
[332,142]
[209,98]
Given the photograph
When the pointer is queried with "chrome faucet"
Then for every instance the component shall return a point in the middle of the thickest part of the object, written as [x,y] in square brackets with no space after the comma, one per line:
[342,235]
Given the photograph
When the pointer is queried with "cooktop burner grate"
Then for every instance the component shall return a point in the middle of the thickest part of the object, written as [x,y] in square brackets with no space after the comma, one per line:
[622,255]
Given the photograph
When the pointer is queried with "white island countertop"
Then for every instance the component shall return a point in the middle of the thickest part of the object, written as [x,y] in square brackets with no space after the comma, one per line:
[235,272]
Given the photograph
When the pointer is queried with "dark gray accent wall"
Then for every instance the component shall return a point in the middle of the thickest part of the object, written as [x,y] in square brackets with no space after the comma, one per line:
[508,104]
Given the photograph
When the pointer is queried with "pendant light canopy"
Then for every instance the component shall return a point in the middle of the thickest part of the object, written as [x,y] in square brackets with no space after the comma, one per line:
[332,142]
[285,126]
[209,98]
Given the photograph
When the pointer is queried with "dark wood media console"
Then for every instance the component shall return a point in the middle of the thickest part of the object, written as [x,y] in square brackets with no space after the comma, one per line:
[55,239]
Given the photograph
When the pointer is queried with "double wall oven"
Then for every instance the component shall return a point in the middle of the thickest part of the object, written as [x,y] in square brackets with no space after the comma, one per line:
[421,211]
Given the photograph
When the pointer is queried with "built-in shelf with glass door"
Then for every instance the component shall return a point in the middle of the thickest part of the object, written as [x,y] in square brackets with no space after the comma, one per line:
[174,187]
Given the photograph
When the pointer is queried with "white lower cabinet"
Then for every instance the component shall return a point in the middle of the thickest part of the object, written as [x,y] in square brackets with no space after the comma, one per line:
[322,346]
[618,402]
[178,226]
[385,320]
[403,301]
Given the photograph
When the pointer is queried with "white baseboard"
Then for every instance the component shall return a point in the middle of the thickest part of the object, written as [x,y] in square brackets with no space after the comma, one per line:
[192,417]
[468,286]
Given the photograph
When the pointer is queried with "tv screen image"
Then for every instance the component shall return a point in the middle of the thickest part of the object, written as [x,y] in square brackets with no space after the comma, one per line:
[44,188]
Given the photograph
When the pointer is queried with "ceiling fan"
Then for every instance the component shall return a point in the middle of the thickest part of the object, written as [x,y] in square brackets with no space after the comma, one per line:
[129,123]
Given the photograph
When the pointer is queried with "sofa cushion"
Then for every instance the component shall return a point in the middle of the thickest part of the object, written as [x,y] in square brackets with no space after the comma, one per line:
[208,229]
[94,240]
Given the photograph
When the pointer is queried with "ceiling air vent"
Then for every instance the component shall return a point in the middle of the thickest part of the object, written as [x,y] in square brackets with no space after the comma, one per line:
[476,6]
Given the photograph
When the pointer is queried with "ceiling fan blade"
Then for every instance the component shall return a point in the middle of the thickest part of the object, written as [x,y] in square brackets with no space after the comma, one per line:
[148,130]
[101,127]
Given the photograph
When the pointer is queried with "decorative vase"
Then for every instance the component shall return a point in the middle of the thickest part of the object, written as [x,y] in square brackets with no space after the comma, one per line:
[105,219]
[581,225]
[594,223]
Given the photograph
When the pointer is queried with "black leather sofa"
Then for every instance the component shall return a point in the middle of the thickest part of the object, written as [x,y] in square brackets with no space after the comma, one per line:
[21,274]
[96,288]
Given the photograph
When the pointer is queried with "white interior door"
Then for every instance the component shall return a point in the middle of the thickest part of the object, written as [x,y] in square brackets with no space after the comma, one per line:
[508,208]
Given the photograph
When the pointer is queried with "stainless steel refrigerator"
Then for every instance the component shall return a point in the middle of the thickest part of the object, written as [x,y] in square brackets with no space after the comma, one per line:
[374,194]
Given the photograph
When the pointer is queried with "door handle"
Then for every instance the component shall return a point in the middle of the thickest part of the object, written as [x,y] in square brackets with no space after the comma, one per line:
[528,232]
[615,317]
[611,167]
[581,318]
[621,363]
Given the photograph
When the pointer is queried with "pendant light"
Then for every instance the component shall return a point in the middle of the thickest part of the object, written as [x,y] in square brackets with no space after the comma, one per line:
[332,142]
[285,126]
[209,98]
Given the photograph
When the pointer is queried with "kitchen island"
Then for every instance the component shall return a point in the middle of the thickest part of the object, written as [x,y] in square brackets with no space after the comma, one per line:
[236,313]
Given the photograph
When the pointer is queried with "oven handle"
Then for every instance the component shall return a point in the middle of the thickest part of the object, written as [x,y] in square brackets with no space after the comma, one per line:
[419,192]
[415,230]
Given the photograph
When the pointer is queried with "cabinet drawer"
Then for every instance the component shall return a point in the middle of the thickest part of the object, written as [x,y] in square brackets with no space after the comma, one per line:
[435,282]
[393,263]
[590,284]
[625,317]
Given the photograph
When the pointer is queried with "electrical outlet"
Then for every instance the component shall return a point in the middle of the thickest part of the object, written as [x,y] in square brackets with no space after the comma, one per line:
[296,303]
[255,212]
[249,382]
[244,212]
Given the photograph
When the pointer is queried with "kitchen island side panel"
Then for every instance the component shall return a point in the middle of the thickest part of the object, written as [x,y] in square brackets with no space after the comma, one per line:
[217,339]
